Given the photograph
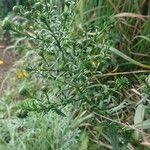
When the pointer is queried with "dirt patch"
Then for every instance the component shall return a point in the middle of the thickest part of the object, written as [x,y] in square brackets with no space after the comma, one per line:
[8,58]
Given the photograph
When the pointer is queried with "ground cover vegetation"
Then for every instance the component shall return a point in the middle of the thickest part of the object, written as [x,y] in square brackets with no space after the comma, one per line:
[83,79]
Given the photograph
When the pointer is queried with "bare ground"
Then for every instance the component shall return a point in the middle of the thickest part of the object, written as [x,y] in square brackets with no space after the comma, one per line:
[8,58]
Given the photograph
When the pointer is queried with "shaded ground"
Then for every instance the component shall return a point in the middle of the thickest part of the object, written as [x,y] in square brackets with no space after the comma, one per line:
[8,59]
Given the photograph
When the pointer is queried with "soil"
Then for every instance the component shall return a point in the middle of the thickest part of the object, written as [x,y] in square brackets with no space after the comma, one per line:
[8,58]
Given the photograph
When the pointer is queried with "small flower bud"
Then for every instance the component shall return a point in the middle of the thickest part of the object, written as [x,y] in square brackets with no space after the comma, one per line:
[6,25]
[16,9]
[38,6]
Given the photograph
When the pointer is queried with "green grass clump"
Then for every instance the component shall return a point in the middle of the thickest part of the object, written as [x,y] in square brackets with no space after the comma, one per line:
[38,131]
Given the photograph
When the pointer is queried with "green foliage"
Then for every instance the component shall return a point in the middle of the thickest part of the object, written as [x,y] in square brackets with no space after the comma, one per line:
[38,131]
[73,62]
[7,5]
[3,11]
[65,61]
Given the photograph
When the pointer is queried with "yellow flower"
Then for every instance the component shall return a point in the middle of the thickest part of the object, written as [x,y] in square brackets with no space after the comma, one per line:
[22,74]
[1,62]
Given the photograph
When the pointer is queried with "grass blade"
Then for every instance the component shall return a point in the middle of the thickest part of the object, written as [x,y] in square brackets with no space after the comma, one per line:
[119,53]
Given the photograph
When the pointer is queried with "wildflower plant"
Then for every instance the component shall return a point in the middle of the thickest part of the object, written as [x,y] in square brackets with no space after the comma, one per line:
[66,61]
[71,64]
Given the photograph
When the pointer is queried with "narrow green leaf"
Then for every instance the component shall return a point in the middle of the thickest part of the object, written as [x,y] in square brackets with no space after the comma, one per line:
[143,37]
[112,134]
[139,114]
[84,141]
[138,118]
[143,125]
[119,53]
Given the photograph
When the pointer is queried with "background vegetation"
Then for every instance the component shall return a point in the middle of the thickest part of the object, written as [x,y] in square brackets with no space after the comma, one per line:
[83,80]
